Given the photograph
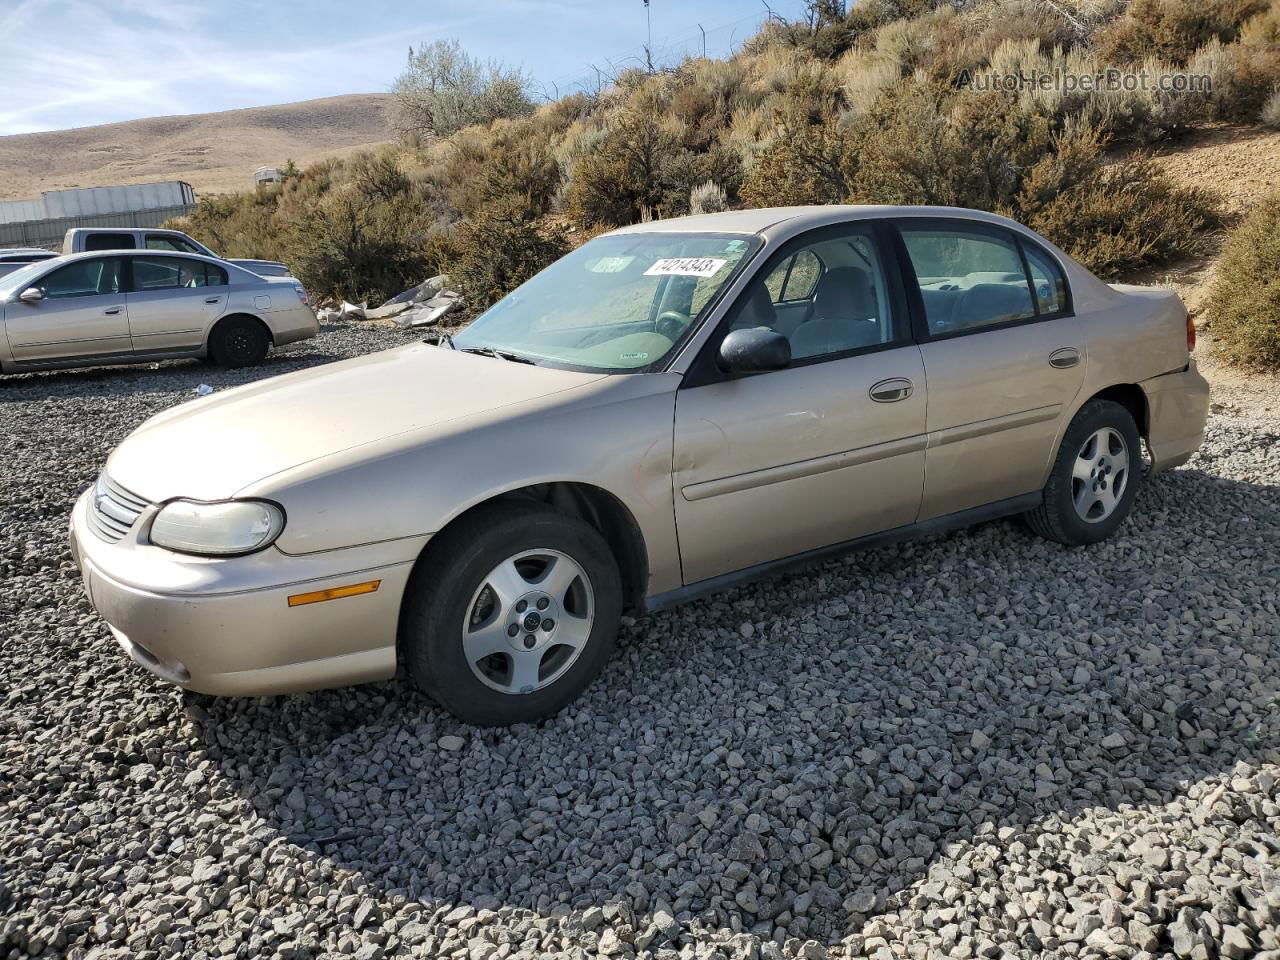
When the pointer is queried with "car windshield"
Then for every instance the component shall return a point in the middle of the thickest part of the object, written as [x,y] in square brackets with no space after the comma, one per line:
[616,304]
[21,278]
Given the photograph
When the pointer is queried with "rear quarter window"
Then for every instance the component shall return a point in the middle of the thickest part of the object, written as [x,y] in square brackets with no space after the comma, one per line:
[110,241]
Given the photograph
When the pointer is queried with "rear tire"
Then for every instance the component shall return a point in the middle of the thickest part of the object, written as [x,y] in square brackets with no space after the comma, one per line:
[238,342]
[1094,479]
[467,629]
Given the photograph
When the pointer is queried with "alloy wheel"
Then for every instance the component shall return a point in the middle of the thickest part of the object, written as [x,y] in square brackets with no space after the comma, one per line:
[1100,475]
[528,621]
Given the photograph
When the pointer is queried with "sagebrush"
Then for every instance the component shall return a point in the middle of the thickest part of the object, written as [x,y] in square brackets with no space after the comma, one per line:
[865,106]
[1244,303]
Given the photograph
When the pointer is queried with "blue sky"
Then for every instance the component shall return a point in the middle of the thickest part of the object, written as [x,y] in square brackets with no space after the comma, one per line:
[73,63]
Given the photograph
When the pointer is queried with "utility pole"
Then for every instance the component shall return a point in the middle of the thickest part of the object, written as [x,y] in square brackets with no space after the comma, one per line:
[704,42]
[648,50]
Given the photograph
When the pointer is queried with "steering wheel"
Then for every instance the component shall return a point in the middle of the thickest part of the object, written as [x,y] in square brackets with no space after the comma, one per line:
[671,324]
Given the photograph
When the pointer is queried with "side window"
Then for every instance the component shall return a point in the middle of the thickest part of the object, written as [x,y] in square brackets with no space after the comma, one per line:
[159,241]
[795,278]
[968,278]
[156,273]
[1047,281]
[174,273]
[84,278]
[109,241]
[829,296]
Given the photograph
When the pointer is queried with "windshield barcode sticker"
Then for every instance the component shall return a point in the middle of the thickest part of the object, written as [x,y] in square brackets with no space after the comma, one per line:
[686,267]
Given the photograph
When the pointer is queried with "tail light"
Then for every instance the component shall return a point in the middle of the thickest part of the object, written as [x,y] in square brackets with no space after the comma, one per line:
[302,294]
[1191,334]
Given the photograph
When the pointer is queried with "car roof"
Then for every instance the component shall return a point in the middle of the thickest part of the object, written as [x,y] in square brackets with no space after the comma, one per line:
[69,257]
[791,220]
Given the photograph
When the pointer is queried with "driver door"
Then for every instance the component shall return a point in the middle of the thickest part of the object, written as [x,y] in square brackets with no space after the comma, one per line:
[82,314]
[827,450]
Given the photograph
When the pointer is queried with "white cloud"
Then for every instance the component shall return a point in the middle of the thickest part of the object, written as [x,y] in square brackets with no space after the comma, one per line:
[76,63]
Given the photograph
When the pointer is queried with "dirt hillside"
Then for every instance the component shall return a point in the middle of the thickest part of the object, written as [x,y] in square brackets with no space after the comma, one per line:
[214,152]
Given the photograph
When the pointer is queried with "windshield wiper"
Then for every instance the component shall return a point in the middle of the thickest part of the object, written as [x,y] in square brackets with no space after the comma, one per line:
[441,340]
[500,354]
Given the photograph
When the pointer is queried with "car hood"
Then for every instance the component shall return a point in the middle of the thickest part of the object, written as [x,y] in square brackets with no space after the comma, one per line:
[212,448]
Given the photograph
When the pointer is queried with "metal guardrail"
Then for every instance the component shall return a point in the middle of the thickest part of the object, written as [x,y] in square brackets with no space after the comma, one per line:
[49,233]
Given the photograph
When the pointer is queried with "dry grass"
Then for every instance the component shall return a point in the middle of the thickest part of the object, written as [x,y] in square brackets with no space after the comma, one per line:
[214,152]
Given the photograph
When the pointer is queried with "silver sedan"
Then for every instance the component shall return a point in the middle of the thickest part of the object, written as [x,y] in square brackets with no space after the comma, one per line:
[127,307]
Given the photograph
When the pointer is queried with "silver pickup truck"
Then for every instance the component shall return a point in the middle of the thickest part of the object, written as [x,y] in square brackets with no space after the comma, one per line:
[91,239]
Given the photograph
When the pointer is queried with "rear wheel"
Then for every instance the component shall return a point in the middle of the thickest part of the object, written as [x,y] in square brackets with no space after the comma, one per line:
[1094,479]
[238,342]
[511,615]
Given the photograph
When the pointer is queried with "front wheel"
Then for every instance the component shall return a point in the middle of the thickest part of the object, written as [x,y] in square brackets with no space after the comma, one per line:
[511,614]
[1094,479]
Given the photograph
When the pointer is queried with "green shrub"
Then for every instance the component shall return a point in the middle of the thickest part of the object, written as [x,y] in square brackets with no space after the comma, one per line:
[498,250]
[1113,218]
[1244,303]
[807,161]
[1270,116]
[1172,30]
[912,150]
[443,89]
[510,160]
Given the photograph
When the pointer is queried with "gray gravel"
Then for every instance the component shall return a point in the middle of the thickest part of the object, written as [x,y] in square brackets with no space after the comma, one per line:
[976,746]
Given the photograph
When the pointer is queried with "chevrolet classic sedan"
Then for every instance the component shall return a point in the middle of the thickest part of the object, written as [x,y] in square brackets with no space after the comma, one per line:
[673,408]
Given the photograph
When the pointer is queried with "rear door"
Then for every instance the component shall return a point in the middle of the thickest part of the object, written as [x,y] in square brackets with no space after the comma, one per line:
[82,314]
[1003,358]
[173,301]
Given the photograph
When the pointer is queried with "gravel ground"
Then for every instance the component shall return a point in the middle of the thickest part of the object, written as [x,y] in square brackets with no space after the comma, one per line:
[978,745]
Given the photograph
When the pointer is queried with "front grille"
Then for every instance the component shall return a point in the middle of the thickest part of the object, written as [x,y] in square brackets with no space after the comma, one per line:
[113,509]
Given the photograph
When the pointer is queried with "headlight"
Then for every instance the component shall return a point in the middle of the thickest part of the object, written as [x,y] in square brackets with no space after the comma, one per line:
[217,529]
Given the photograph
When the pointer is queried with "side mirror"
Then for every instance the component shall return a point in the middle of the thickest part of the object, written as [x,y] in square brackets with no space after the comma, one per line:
[754,350]
[31,295]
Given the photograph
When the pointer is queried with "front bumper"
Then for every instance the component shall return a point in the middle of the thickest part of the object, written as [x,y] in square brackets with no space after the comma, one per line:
[225,626]
[1177,409]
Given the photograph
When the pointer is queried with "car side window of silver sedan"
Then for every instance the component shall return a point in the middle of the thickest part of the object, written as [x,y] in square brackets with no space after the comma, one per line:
[84,278]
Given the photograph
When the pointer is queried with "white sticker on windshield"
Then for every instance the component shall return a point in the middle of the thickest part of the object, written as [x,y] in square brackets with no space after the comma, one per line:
[610,264]
[686,267]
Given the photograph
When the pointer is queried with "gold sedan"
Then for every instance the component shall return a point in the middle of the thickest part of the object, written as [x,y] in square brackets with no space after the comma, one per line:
[673,408]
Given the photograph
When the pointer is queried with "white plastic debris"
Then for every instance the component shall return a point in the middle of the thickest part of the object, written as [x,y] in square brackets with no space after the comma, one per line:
[203,390]
[353,311]
[388,310]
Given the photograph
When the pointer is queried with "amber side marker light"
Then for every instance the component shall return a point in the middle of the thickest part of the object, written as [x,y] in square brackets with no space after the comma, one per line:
[334,593]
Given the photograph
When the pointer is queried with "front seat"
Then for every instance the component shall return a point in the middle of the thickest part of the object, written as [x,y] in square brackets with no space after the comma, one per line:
[757,311]
[845,315]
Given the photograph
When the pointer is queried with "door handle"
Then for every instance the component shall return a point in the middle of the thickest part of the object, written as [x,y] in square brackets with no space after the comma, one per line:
[1064,358]
[112,311]
[212,299]
[892,390]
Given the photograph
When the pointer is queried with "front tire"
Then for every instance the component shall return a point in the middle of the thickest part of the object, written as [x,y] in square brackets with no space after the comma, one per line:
[238,342]
[511,614]
[1094,479]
